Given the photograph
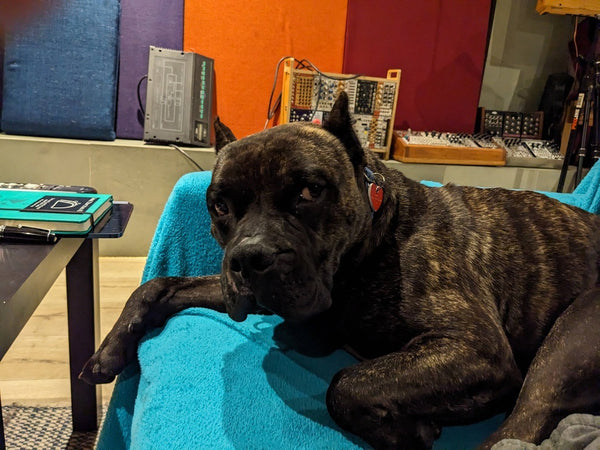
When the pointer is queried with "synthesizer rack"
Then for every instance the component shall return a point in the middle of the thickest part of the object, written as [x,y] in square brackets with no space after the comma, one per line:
[308,95]
[473,149]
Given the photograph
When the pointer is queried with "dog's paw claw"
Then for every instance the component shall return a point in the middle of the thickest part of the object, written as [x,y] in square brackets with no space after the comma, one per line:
[92,374]
[102,367]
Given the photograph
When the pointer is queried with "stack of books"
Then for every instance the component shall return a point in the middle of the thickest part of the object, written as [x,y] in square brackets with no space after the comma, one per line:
[63,213]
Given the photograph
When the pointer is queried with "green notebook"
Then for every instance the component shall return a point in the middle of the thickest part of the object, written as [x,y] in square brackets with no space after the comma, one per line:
[61,212]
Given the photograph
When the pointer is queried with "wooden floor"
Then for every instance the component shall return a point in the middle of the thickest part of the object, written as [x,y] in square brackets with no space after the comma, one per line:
[35,370]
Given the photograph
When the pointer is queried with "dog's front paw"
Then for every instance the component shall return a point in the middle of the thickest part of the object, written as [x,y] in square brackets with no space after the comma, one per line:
[95,372]
[107,362]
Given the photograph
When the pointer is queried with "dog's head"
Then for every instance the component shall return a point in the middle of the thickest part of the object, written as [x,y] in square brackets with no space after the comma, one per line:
[286,204]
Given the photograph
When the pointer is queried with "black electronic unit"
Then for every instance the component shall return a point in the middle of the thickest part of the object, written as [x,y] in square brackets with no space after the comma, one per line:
[180,98]
[491,121]
[510,124]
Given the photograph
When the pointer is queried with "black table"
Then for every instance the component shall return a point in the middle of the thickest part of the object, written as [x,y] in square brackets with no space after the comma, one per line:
[27,271]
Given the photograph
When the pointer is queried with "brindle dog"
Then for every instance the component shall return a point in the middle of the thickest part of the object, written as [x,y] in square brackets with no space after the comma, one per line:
[464,302]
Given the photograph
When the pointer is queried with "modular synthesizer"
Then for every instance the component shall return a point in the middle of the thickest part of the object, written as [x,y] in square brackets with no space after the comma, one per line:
[510,124]
[308,95]
[472,149]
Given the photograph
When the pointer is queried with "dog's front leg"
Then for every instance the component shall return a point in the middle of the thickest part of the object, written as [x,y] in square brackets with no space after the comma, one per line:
[401,400]
[149,307]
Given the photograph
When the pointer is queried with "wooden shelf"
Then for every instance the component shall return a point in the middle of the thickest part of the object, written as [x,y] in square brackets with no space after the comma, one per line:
[575,7]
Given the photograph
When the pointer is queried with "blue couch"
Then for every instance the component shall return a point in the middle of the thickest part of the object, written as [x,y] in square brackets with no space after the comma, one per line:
[204,381]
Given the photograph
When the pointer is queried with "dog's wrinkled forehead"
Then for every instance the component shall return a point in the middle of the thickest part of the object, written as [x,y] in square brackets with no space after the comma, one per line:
[276,154]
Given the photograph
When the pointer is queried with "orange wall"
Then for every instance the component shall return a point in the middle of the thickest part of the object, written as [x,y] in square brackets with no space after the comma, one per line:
[247,39]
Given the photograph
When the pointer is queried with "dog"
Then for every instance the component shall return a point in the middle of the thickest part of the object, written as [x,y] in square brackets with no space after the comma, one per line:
[462,302]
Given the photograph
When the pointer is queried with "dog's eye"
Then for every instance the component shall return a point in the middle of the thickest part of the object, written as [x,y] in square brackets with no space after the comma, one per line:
[221,208]
[311,192]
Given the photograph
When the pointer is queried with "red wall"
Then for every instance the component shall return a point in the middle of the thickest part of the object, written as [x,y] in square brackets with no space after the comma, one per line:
[440,48]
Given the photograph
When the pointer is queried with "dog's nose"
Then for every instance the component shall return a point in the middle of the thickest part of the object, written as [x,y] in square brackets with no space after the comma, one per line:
[251,259]
[259,258]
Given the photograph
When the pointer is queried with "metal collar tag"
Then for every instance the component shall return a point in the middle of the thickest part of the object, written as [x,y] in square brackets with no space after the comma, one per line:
[374,182]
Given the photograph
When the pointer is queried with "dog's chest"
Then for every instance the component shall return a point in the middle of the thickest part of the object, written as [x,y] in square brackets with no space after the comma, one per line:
[368,308]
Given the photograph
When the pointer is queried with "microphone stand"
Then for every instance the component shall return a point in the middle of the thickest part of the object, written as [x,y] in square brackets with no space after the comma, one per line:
[595,144]
[584,132]
[589,94]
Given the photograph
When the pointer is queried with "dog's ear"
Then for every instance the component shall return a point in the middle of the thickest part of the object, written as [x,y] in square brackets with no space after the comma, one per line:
[223,135]
[339,123]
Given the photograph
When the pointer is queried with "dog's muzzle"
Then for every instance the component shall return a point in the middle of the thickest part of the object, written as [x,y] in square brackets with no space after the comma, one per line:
[261,275]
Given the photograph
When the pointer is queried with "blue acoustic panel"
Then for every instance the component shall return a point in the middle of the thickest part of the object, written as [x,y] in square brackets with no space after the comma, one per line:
[60,72]
[143,23]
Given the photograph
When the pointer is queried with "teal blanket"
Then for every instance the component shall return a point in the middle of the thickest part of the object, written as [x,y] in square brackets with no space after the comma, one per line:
[204,381]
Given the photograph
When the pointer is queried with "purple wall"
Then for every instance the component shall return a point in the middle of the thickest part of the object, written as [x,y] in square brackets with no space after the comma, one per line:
[143,23]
